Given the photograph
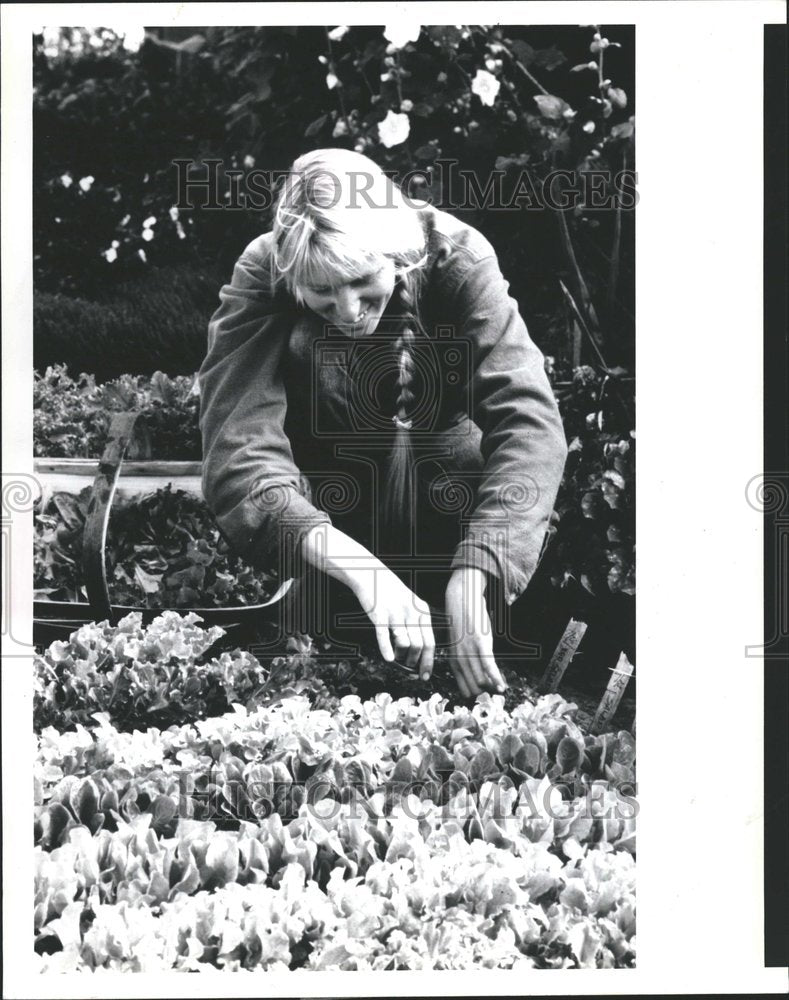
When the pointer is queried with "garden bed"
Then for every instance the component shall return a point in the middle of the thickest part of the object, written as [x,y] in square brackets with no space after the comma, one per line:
[594,544]
[195,813]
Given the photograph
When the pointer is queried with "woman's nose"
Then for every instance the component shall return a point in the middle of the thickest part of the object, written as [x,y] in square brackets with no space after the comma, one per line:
[347,306]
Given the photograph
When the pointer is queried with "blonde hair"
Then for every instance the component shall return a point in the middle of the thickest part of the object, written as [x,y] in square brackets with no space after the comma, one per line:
[339,215]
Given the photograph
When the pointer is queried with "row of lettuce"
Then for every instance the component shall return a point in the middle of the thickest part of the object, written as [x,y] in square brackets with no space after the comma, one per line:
[380,834]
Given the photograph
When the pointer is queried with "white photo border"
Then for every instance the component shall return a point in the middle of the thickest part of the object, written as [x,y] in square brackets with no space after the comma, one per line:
[699,425]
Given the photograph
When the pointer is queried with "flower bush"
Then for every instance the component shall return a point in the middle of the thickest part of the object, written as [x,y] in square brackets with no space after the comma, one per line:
[385,834]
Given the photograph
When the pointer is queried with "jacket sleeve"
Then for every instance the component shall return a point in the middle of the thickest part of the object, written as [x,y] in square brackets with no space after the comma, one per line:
[249,478]
[523,442]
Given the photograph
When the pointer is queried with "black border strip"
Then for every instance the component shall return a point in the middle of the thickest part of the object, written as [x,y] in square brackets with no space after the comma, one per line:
[776,522]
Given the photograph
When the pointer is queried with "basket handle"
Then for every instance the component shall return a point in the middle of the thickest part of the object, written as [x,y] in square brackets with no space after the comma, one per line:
[94,539]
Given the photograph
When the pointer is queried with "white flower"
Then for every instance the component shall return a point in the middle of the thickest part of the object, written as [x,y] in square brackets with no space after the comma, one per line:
[66,180]
[394,129]
[406,105]
[173,213]
[490,64]
[402,33]
[142,256]
[147,235]
[111,255]
[485,86]
[322,60]
[249,161]
[150,221]
[338,33]
[115,244]
[331,81]
[442,77]
[339,129]
[589,128]
[51,41]
[386,77]
[133,39]
[86,183]
[126,220]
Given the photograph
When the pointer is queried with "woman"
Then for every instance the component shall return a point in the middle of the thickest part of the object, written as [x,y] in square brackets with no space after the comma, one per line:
[370,343]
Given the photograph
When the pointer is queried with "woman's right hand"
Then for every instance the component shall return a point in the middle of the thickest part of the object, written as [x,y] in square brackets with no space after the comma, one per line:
[402,620]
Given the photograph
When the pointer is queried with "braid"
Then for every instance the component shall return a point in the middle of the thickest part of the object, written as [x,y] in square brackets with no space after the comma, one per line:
[399,489]
[403,347]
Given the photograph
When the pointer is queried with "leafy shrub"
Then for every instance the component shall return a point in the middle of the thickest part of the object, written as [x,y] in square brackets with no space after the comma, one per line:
[164,550]
[594,544]
[156,322]
[107,124]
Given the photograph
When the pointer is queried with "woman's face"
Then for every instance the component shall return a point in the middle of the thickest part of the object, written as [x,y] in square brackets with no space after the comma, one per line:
[355,306]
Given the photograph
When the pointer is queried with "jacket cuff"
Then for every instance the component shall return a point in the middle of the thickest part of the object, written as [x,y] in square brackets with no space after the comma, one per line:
[489,557]
[267,542]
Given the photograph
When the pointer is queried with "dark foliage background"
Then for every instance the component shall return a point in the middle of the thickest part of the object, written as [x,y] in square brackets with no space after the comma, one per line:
[109,122]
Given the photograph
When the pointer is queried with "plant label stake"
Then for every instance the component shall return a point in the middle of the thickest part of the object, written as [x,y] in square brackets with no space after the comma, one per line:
[562,656]
[620,676]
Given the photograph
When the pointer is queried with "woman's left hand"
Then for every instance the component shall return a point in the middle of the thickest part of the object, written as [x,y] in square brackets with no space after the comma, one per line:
[471,634]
